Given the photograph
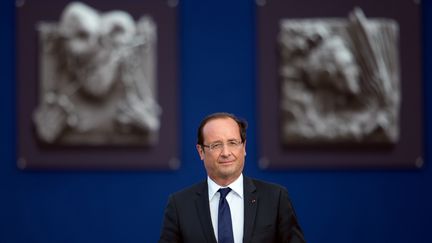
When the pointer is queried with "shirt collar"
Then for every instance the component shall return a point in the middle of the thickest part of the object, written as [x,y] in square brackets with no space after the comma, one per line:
[236,186]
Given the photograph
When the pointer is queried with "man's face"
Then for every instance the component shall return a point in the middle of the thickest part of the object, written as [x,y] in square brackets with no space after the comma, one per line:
[224,165]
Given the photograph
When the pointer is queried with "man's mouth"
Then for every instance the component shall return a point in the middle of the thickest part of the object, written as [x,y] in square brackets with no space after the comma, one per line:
[226,162]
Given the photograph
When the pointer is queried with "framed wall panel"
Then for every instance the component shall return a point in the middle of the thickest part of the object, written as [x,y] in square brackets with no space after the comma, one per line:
[89,153]
[407,152]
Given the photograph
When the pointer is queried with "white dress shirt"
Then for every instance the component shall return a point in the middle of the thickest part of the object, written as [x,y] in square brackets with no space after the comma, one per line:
[235,201]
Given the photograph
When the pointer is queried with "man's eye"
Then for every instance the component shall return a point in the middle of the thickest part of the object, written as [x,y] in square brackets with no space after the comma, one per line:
[217,146]
[234,143]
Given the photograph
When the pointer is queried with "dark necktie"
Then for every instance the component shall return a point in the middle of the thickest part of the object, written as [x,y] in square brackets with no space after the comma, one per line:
[225,233]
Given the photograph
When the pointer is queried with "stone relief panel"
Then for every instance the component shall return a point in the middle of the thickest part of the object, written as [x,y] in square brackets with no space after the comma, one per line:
[98,83]
[340,80]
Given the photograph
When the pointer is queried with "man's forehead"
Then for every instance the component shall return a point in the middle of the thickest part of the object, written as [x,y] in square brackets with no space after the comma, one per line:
[221,122]
[220,126]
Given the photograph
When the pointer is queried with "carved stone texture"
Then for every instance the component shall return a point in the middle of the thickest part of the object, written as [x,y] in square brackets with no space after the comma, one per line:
[340,80]
[97,79]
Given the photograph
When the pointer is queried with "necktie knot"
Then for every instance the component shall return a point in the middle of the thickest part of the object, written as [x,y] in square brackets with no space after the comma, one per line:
[224,192]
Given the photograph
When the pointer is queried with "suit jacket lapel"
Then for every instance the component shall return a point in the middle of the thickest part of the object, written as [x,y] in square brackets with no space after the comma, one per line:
[250,208]
[203,207]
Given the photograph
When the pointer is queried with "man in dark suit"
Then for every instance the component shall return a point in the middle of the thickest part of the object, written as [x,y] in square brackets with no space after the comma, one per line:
[228,207]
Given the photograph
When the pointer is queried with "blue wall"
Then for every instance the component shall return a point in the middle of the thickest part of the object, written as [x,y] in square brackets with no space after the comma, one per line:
[217,62]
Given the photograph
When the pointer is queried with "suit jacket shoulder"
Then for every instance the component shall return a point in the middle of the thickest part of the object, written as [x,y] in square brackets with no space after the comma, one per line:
[260,184]
[269,213]
[187,216]
[191,190]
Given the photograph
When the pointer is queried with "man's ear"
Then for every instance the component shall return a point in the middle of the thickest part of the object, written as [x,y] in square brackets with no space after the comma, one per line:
[200,151]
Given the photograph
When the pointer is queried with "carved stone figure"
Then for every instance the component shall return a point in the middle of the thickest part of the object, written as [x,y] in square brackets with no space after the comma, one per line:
[98,79]
[340,80]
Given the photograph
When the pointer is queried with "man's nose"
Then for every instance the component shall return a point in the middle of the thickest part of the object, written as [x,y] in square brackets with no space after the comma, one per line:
[226,151]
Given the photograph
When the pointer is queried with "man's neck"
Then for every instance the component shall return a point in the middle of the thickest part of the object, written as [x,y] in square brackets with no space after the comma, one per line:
[224,182]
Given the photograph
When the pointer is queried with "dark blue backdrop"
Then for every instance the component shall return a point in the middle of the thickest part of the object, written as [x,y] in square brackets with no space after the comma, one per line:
[218,73]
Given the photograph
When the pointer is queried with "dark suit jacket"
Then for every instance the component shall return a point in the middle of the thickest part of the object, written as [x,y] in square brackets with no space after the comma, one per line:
[268,215]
